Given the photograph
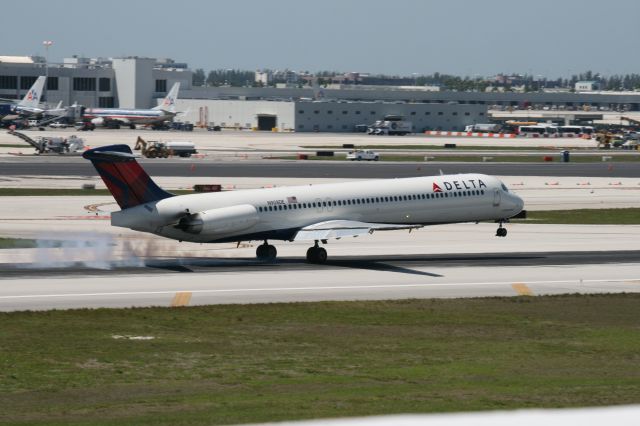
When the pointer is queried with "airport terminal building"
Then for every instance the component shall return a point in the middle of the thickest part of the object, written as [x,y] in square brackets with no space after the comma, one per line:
[130,82]
[137,82]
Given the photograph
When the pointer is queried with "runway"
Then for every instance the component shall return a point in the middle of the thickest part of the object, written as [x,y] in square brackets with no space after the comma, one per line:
[188,281]
[198,168]
[464,260]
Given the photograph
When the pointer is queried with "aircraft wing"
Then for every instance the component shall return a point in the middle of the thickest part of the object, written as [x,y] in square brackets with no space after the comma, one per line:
[345,228]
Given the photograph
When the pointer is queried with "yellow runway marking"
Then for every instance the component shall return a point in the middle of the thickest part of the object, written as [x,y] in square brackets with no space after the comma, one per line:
[522,289]
[181,299]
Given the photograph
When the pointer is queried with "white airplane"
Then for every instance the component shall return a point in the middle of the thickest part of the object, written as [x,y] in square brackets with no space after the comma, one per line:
[30,104]
[115,117]
[312,213]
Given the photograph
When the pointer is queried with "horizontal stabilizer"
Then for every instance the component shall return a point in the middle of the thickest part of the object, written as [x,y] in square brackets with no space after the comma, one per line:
[114,156]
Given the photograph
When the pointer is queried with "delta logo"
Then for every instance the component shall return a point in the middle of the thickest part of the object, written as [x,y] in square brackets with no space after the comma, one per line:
[460,184]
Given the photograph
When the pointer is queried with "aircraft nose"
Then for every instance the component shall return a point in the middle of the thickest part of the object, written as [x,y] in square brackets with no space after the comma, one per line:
[518,203]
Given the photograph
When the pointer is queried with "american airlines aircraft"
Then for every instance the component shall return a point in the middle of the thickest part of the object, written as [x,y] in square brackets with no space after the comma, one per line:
[115,117]
[30,104]
[311,213]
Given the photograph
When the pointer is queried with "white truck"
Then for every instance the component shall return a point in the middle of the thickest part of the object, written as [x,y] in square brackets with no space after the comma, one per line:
[483,128]
[360,155]
[391,125]
[182,149]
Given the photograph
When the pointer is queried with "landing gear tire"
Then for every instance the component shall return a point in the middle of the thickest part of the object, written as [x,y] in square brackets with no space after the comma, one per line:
[266,252]
[501,232]
[316,255]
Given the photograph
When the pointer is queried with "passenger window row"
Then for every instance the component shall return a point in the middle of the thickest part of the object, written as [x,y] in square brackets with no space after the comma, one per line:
[372,200]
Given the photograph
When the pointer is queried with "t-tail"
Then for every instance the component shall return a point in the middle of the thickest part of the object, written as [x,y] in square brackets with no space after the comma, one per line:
[169,102]
[127,181]
[32,98]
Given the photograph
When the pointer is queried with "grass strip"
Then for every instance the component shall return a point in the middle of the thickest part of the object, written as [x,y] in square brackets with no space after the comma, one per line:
[10,145]
[17,243]
[628,216]
[257,363]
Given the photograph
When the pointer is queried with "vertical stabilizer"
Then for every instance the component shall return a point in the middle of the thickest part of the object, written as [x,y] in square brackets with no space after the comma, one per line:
[32,98]
[129,184]
[169,102]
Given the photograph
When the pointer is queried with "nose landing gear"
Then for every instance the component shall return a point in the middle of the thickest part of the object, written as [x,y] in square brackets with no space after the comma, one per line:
[266,252]
[501,232]
[316,254]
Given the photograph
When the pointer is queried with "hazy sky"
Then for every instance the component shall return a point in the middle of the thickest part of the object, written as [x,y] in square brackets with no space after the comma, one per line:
[472,37]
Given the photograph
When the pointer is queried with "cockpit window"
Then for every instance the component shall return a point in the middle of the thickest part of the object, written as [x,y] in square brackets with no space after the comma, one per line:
[504,188]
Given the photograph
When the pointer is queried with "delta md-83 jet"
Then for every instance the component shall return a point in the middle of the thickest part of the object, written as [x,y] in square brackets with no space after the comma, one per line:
[313,213]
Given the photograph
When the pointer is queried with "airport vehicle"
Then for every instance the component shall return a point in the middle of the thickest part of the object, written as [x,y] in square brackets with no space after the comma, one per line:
[391,125]
[5,109]
[632,121]
[299,213]
[58,145]
[58,125]
[83,126]
[608,139]
[483,128]
[153,149]
[360,155]
[116,117]
[540,130]
[575,130]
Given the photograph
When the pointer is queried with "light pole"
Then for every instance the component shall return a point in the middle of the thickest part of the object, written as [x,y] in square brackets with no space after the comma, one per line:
[47,44]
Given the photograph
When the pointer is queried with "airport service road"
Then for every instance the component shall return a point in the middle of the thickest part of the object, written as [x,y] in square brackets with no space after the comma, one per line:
[203,168]
[196,282]
[247,141]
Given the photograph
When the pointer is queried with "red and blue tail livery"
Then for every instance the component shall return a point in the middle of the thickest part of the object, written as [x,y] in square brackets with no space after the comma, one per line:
[129,184]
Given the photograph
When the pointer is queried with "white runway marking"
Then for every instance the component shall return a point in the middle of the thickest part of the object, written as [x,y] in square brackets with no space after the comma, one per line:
[314,288]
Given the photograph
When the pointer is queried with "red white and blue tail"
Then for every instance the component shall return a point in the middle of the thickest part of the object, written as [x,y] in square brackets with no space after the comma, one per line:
[32,98]
[127,181]
[168,104]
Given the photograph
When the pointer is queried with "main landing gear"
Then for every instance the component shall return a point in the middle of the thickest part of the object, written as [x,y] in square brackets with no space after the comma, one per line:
[316,254]
[501,232]
[266,252]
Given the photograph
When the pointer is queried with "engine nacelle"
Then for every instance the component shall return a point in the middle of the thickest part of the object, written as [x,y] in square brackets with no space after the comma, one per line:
[98,121]
[219,221]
